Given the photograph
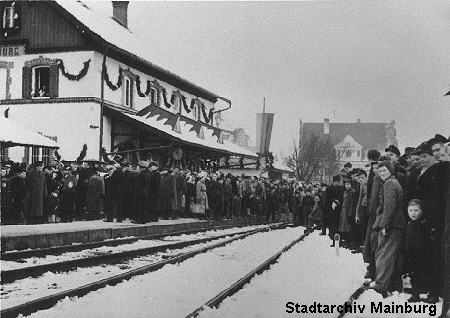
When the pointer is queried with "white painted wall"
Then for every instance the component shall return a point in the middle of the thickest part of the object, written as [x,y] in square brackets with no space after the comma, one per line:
[69,122]
[73,62]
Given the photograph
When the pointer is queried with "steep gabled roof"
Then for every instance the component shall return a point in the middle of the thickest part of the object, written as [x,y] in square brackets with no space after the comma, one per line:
[369,135]
[123,40]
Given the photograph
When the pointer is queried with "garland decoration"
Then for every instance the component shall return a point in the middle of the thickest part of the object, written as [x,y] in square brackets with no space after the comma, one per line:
[193,101]
[138,87]
[166,103]
[185,105]
[172,98]
[205,115]
[72,77]
[106,77]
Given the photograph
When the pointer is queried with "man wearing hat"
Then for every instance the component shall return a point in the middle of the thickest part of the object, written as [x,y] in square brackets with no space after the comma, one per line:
[68,194]
[17,192]
[429,184]
[155,180]
[437,146]
[167,194]
[393,154]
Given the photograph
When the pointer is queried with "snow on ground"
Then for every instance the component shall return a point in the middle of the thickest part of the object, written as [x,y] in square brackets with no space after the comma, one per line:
[176,290]
[309,272]
[33,261]
[371,300]
[32,288]
[49,228]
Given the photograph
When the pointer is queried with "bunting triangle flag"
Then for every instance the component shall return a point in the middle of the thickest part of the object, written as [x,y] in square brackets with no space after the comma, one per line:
[201,133]
[177,126]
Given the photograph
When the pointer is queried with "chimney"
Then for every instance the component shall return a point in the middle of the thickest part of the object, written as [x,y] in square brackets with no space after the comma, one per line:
[358,121]
[120,12]
[326,126]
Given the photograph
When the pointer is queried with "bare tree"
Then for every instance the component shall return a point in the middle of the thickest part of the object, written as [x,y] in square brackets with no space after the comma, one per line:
[313,157]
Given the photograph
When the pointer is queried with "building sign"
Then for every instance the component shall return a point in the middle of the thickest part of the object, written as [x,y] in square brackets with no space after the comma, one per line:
[12,50]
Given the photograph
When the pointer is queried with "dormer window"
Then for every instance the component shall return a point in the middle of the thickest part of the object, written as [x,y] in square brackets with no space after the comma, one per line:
[41,81]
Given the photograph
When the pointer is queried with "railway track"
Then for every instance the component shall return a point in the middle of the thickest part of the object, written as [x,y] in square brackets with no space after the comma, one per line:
[239,284]
[49,301]
[9,276]
[57,250]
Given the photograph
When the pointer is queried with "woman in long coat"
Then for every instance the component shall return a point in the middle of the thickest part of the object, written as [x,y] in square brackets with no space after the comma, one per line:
[390,223]
[202,197]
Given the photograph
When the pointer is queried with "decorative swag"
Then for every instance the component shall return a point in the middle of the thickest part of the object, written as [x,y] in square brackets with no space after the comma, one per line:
[72,77]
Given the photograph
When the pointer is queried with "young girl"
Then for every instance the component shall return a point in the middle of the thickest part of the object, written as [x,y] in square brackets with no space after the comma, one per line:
[417,250]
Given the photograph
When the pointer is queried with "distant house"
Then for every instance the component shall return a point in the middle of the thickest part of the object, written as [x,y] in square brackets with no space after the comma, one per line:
[352,141]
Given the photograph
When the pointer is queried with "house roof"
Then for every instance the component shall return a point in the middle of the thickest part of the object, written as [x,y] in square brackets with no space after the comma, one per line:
[123,39]
[369,135]
[14,134]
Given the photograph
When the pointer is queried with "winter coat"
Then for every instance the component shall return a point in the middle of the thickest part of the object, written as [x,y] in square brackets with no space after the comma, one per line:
[390,213]
[202,197]
[180,186]
[307,205]
[95,194]
[361,207]
[348,211]
[36,188]
[167,193]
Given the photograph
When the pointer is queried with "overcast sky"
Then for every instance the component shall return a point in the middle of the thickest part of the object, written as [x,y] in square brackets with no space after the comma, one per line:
[373,60]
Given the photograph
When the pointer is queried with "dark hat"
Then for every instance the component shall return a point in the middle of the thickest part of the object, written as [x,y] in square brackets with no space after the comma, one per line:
[437,139]
[348,165]
[425,148]
[373,155]
[393,149]
[409,150]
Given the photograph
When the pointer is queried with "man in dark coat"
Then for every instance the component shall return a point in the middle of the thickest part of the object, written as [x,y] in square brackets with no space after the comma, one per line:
[113,194]
[167,194]
[68,195]
[180,185]
[333,192]
[17,192]
[128,204]
[36,192]
[155,180]
[429,184]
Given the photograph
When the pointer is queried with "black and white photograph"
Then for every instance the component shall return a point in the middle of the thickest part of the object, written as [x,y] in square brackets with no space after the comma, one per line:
[224,159]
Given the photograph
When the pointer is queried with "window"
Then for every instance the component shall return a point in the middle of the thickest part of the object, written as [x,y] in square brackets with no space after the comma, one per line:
[348,153]
[154,96]
[358,153]
[8,18]
[128,92]
[41,81]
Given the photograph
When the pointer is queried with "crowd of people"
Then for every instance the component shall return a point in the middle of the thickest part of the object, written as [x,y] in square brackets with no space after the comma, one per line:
[393,211]
[396,210]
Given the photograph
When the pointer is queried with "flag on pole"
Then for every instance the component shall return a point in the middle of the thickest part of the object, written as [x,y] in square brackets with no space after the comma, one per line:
[264,123]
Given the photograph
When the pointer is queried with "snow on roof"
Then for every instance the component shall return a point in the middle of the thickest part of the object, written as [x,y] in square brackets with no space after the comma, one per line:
[117,35]
[210,141]
[12,132]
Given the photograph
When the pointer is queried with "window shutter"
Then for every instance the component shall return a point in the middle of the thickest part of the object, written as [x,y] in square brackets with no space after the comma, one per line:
[54,81]
[26,82]
[131,94]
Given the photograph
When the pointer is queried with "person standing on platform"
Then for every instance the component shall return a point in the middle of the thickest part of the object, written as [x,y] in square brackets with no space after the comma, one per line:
[36,192]
[17,193]
[114,194]
[307,206]
[361,217]
[128,202]
[191,195]
[81,172]
[347,215]
[95,193]
[201,195]
[228,198]
[167,194]
[68,195]
[155,180]
[180,185]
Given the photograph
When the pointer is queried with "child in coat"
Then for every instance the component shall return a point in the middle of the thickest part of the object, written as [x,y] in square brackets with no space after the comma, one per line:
[417,249]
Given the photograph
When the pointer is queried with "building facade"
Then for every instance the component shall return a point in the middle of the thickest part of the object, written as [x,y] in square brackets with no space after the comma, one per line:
[352,141]
[80,77]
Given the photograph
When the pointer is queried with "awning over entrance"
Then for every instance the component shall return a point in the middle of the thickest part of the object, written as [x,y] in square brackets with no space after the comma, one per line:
[13,134]
[182,129]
